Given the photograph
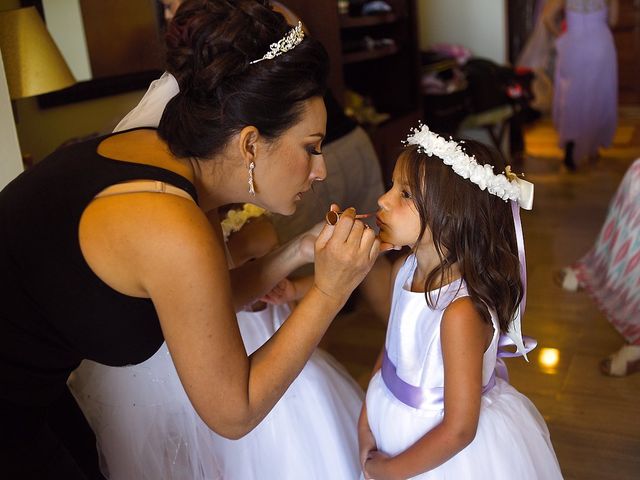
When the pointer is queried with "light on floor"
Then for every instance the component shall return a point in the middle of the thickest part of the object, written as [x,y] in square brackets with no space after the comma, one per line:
[548,358]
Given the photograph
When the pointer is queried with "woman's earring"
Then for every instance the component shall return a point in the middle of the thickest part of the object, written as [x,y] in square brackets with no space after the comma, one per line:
[252,190]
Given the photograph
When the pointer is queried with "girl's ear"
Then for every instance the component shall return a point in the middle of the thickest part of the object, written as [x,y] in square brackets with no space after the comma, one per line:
[248,144]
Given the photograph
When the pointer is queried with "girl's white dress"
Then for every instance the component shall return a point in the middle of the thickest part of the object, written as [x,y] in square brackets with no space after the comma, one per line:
[147,429]
[512,440]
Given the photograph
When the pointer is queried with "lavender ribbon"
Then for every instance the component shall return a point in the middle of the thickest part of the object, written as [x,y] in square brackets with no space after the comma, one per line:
[515,329]
[515,208]
[433,398]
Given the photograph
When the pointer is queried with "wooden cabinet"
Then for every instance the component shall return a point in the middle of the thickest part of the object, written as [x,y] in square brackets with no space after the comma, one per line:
[376,56]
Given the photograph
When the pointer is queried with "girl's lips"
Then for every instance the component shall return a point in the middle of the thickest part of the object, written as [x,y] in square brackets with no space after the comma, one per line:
[379,222]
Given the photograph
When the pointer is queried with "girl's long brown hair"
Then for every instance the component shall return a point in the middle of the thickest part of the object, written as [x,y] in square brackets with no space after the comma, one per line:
[470,227]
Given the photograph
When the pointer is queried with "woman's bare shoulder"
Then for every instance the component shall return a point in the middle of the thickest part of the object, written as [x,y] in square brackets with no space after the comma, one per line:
[144,146]
[127,239]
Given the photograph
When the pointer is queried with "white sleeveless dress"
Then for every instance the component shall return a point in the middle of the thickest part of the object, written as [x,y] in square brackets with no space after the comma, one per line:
[147,429]
[512,440]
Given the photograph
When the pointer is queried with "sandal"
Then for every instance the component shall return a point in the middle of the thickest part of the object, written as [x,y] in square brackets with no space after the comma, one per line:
[623,362]
[567,279]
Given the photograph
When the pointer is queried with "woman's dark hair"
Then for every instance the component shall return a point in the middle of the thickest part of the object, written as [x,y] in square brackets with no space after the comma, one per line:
[210,44]
[470,227]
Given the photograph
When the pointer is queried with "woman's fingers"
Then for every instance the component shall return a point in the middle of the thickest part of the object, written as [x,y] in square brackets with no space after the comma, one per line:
[344,225]
[324,230]
[324,236]
[374,249]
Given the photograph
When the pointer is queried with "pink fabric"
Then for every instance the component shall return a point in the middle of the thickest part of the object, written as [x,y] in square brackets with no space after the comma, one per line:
[610,271]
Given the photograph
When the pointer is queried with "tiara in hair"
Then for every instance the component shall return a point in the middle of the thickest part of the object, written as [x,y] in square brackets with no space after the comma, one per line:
[506,185]
[290,41]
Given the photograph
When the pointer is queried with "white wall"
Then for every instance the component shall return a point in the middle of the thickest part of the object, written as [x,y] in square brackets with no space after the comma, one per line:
[64,22]
[480,25]
[42,130]
[10,157]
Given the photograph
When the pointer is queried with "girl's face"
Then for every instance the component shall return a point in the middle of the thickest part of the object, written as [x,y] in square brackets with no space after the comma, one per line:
[398,218]
[291,163]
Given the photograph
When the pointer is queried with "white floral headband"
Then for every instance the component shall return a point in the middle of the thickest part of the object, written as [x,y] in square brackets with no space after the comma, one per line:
[236,218]
[506,186]
[291,40]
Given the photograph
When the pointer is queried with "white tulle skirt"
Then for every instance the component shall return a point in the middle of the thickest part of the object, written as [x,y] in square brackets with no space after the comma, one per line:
[512,440]
[147,429]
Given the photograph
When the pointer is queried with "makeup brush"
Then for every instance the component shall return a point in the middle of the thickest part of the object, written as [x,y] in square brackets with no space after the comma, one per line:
[332,217]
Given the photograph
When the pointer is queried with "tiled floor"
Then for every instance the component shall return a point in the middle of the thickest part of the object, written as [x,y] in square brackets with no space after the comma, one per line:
[594,420]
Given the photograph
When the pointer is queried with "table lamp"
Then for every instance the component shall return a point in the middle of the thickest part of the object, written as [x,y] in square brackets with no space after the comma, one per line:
[33,64]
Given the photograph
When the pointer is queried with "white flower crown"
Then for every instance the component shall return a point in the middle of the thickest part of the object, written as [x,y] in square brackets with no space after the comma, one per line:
[235,219]
[507,185]
[290,41]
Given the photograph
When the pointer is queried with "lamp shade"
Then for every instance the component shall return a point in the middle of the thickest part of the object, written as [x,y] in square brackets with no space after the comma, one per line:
[32,61]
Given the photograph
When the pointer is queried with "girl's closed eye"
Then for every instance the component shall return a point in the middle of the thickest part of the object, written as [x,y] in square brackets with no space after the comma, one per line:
[406,194]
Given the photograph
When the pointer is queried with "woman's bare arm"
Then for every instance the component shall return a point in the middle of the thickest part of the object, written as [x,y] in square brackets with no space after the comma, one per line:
[164,248]
[253,279]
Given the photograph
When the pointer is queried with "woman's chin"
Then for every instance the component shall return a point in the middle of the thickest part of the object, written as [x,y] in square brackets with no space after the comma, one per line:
[286,210]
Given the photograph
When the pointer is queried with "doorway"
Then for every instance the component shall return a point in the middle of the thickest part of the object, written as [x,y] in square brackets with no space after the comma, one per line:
[627,37]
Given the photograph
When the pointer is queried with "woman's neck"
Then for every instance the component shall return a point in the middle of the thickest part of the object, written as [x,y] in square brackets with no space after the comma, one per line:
[220,181]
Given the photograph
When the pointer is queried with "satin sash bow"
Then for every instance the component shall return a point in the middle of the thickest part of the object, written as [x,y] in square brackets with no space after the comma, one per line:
[433,398]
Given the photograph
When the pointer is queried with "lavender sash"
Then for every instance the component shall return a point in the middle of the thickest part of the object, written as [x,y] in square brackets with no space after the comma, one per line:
[433,398]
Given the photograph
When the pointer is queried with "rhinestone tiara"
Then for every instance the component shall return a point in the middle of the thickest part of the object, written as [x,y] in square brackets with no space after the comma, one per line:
[292,39]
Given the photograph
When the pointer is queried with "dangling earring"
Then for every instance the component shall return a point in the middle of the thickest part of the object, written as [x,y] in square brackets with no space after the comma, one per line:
[252,190]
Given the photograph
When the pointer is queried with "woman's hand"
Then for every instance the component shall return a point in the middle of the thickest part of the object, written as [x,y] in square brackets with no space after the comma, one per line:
[344,254]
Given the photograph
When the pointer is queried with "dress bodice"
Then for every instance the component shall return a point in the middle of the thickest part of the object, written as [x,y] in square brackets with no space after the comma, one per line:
[584,15]
[585,6]
[413,336]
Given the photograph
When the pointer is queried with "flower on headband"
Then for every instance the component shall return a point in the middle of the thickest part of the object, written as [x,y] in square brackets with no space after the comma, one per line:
[235,219]
[464,165]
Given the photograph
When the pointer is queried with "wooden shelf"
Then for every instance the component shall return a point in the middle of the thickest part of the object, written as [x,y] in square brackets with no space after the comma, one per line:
[365,55]
[347,21]
[388,76]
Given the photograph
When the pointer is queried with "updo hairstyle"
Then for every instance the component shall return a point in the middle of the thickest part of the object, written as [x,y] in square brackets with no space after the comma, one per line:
[210,44]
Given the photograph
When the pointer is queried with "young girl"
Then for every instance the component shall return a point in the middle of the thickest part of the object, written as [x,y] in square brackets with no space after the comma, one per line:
[438,405]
